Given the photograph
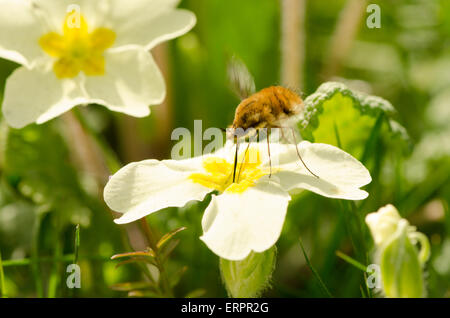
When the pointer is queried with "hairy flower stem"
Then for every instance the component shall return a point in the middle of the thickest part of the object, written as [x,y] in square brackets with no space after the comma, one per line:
[95,158]
[152,241]
[292,42]
[344,36]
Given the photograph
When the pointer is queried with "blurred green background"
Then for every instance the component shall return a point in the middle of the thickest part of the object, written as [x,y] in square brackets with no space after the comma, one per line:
[45,190]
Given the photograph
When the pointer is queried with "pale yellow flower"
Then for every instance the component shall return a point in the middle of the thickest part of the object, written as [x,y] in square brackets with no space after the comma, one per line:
[248,214]
[76,52]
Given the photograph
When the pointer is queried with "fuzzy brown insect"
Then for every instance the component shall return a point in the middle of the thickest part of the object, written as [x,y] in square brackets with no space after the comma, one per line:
[272,107]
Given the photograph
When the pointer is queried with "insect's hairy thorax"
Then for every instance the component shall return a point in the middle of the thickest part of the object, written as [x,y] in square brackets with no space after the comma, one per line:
[267,108]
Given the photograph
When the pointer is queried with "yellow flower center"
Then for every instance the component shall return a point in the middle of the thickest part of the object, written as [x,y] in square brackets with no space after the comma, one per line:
[76,49]
[219,173]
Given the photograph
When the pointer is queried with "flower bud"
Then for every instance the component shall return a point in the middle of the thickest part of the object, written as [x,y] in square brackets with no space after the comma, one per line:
[383,223]
[250,276]
[401,261]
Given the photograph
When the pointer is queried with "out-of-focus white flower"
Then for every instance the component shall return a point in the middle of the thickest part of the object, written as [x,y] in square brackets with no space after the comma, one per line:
[248,214]
[400,260]
[383,223]
[77,52]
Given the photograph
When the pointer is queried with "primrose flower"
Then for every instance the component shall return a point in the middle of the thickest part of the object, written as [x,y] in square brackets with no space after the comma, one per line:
[245,215]
[401,252]
[384,223]
[76,52]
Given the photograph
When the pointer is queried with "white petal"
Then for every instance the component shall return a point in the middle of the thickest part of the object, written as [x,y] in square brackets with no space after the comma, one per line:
[131,83]
[150,33]
[141,188]
[122,10]
[383,223]
[152,22]
[340,174]
[37,96]
[236,224]
[20,31]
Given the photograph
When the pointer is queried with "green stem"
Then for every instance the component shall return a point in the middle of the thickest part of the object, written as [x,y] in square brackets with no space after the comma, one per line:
[350,210]
[351,261]
[56,270]
[105,155]
[338,137]
[75,252]
[77,244]
[316,274]
[2,278]
[373,137]
[165,285]
[112,161]
[63,258]
[34,257]
[113,164]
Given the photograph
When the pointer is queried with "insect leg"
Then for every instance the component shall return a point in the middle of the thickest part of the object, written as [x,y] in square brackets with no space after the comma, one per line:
[298,153]
[268,150]
[243,161]
[235,159]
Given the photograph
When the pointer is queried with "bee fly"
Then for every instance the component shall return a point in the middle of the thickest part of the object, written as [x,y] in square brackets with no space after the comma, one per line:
[272,107]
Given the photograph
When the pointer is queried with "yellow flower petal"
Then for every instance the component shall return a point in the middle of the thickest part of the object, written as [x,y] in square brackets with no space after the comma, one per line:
[53,44]
[75,26]
[93,65]
[77,49]
[66,68]
[219,173]
[102,38]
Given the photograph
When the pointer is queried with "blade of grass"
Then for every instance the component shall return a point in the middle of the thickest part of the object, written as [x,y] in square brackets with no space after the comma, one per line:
[368,290]
[2,279]
[355,227]
[371,141]
[55,275]
[353,221]
[77,244]
[363,294]
[34,259]
[333,244]
[316,274]
[351,261]
[64,259]
[338,137]
[361,230]
[359,266]
[350,227]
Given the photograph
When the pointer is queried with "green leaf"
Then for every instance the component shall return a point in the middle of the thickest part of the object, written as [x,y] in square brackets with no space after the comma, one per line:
[129,286]
[147,253]
[250,276]
[176,277]
[401,269]
[168,236]
[335,107]
[196,293]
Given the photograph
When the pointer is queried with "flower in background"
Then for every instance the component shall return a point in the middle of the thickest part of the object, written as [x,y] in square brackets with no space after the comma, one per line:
[245,215]
[401,262]
[77,52]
